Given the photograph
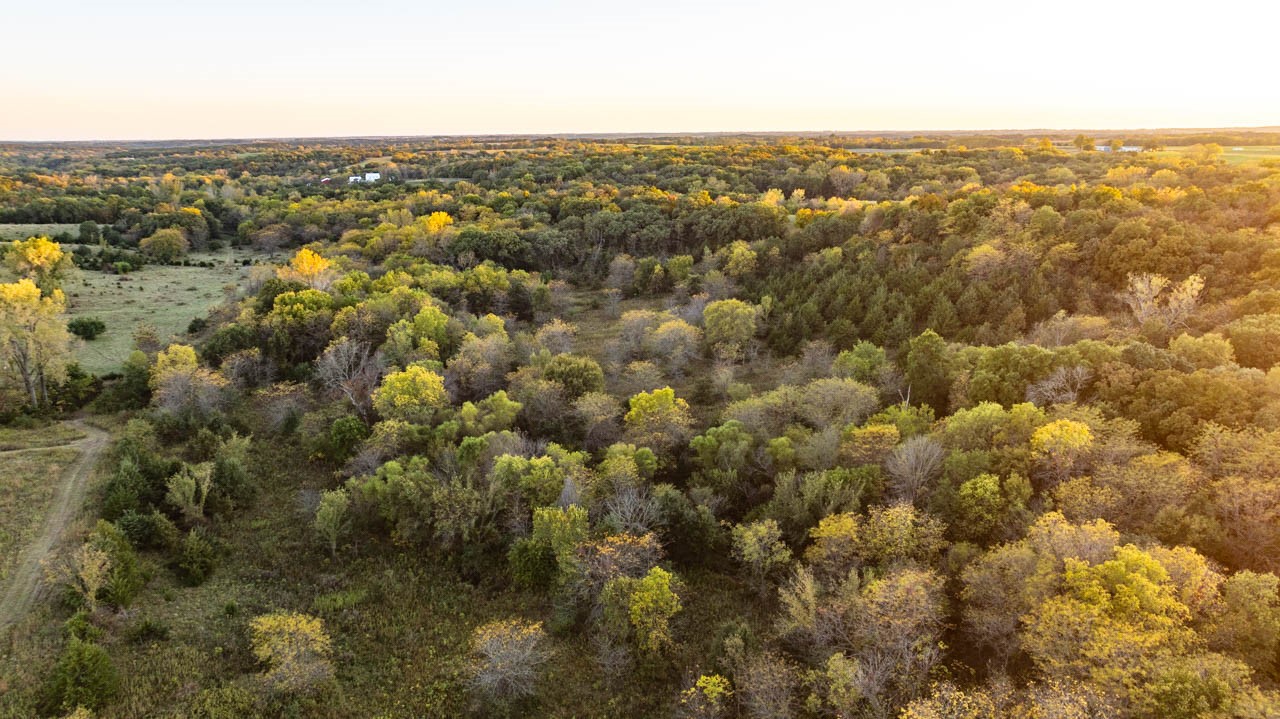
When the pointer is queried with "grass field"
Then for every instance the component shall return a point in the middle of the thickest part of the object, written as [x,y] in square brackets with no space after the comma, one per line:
[51,436]
[28,480]
[166,297]
[1235,155]
[19,231]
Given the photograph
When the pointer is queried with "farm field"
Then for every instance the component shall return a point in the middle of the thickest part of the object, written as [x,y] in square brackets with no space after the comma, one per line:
[167,297]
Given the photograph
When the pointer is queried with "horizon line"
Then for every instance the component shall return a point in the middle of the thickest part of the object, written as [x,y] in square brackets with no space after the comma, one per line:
[645,134]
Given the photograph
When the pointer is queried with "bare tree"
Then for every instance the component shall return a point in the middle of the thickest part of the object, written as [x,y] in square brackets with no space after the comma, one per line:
[1181,301]
[632,509]
[912,465]
[508,656]
[1063,386]
[766,683]
[556,336]
[600,414]
[348,369]
[1144,294]
[248,368]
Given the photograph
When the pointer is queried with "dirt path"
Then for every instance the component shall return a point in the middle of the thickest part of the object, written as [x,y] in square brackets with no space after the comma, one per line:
[20,591]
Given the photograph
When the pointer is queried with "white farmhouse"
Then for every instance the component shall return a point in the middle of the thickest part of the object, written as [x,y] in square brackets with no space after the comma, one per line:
[372,176]
[354,179]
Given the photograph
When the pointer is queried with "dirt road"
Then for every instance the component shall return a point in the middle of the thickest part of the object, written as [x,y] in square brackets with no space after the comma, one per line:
[18,594]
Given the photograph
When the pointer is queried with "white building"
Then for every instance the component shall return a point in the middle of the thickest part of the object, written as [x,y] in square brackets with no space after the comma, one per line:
[354,179]
[372,176]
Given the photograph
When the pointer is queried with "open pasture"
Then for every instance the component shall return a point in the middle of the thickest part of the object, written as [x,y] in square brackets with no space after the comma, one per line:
[167,297]
[22,230]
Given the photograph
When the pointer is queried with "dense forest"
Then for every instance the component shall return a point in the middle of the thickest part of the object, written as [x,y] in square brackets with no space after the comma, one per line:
[724,426]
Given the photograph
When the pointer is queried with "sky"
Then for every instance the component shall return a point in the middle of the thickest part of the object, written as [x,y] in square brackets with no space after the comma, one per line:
[146,69]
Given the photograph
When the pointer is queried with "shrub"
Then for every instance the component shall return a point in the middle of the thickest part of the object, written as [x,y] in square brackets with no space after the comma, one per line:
[83,677]
[227,701]
[148,630]
[196,558]
[533,564]
[86,328]
[79,626]
[149,531]
[125,578]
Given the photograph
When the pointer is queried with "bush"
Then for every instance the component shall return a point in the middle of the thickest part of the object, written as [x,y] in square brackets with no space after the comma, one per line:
[228,701]
[79,626]
[533,564]
[87,328]
[196,558]
[148,630]
[75,390]
[83,677]
[345,435]
[126,578]
[197,325]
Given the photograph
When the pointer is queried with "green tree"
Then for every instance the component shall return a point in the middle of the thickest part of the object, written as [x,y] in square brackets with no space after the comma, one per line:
[90,233]
[166,245]
[759,548]
[578,375]
[1256,340]
[864,362]
[561,530]
[331,517]
[927,370]
[643,609]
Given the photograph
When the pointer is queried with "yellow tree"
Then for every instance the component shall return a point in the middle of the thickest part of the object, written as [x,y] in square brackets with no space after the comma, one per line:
[730,324]
[41,260]
[34,343]
[1059,444]
[413,395]
[437,221]
[310,269]
[659,419]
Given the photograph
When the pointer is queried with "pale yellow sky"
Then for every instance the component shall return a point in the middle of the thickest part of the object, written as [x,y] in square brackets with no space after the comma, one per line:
[145,69]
